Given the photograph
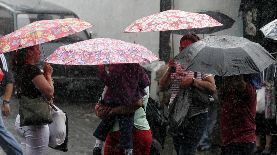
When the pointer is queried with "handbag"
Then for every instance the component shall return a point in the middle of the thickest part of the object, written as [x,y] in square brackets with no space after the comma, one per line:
[34,111]
[178,109]
[58,138]
[200,96]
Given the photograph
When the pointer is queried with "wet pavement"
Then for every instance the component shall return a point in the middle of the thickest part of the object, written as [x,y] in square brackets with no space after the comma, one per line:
[82,122]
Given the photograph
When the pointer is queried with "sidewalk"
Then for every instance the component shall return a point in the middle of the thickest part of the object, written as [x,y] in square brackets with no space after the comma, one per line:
[82,122]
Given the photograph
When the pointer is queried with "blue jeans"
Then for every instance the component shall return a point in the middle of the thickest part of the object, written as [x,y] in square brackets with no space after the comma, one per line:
[7,141]
[187,142]
[126,123]
[205,142]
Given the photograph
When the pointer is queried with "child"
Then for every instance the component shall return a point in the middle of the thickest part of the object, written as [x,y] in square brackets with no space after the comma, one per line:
[125,85]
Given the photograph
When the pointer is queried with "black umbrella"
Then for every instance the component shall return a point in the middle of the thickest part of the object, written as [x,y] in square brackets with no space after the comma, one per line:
[225,56]
[220,17]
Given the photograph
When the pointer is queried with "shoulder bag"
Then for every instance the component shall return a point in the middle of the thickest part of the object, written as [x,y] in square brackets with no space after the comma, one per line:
[34,111]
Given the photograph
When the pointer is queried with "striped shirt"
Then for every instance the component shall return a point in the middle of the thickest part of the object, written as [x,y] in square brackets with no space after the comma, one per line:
[175,86]
[4,63]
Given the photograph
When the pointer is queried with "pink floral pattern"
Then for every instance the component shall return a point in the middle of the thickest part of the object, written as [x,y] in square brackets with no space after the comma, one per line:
[101,51]
[172,20]
[40,32]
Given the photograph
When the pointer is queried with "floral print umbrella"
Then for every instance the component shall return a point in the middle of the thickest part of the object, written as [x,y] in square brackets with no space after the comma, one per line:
[100,51]
[172,20]
[40,32]
[270,30]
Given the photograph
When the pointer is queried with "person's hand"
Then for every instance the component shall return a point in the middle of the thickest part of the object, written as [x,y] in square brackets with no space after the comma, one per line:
[171,63]
[47,69]
[101,110]
[186,82]
[5,110]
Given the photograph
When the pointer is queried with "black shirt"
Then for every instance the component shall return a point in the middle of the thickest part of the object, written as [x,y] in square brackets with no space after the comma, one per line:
[29,72]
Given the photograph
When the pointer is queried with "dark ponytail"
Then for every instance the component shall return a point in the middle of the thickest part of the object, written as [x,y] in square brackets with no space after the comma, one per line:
[18,60]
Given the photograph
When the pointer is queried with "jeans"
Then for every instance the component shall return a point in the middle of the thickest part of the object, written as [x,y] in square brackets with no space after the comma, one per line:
[187,142]
[238,149]
[205,142]
[7,141]
[34,139]
[126,124]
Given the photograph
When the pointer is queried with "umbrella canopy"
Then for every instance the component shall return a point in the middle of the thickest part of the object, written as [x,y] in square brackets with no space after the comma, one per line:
[270,30]
[172,20]
[101,51]
[226,21]
[40,32]
[225,56]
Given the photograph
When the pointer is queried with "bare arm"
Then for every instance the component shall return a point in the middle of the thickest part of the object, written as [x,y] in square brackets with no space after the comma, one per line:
[206,84]
[45,86]
[165,80]
[125,110]
[6,97]
[8,92]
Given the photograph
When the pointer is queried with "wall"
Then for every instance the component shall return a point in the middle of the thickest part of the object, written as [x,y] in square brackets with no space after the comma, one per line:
[228,7]
[111,17]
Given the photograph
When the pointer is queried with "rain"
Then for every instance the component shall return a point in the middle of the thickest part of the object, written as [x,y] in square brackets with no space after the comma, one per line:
[159,77]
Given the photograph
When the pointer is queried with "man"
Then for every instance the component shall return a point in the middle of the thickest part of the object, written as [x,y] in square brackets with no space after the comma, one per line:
[7,141]
[237,119]
[186,138]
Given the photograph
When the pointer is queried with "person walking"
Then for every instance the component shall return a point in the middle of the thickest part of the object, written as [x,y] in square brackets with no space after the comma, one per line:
[31,82]
[237,116]
[7,141]
[125,85]
[186,138]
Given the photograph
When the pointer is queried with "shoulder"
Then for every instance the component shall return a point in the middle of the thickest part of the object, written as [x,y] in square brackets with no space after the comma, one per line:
[32,70]
[3,63]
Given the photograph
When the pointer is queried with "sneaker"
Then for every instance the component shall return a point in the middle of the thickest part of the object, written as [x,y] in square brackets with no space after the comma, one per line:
[266,151]
[97,151]
[258,150]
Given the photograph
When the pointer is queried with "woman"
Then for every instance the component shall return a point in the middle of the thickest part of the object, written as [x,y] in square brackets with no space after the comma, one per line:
[33,83]
[142,136]
[186,139]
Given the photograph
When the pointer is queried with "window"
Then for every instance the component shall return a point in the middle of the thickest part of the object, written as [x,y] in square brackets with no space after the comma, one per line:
[6,21]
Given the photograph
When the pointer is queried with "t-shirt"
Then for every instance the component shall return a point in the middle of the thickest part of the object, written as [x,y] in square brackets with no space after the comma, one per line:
[238,112]
[28,89]
[140,121]
[125,83]
[175,88]
[8,77]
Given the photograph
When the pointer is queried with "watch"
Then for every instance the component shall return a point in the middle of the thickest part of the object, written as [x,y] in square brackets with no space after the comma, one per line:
[193,79]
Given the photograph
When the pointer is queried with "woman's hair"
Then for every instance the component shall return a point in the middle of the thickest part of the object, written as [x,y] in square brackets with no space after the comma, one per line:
[192,37]
[18,60]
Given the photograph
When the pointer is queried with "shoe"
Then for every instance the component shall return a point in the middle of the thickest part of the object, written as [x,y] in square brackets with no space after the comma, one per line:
[97,151]
[204,148]
[258,150]
[266,151]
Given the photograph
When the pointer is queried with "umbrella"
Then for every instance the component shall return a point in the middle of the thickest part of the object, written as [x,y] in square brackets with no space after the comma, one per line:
[40,32]
[220,17]
[101,51]
[172,20]
[225,56]
[270,30]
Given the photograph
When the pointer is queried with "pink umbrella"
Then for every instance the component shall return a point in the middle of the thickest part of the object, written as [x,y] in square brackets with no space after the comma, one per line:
[101,51]
[172,20]
[40,32]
